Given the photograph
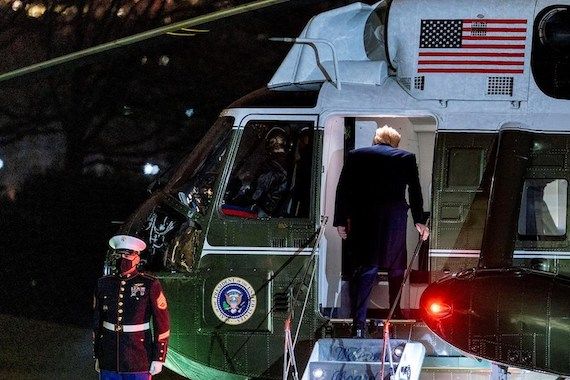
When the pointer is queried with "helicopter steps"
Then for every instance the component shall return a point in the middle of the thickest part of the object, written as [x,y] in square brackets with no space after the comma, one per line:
[347,358]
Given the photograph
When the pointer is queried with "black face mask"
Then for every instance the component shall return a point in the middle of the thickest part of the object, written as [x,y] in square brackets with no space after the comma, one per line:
[123,265]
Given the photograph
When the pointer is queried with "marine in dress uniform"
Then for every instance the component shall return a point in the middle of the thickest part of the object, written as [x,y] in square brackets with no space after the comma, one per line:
[126,304]
[371,213]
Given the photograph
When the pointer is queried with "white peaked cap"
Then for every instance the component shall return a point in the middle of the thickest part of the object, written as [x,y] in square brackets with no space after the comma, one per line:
[127,242]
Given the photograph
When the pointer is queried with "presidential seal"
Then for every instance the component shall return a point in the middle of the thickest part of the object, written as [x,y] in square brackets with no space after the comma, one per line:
[233,300]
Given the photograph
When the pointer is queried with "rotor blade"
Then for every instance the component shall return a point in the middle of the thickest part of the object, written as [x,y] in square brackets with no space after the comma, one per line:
[139,37]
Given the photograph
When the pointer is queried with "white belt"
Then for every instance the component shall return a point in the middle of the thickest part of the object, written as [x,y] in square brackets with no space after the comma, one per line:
[126,328]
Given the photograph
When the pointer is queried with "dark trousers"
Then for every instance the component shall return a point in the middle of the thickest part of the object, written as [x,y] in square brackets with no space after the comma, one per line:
[381,243]
[361,284]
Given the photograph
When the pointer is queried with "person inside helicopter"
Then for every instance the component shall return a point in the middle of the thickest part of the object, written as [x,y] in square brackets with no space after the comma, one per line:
[272,182]
[271,172]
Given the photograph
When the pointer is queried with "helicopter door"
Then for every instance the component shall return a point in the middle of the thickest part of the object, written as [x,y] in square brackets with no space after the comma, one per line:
[343,133]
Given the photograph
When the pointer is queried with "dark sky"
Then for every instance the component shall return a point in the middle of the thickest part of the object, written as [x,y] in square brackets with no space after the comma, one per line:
[74,140]
[114,111]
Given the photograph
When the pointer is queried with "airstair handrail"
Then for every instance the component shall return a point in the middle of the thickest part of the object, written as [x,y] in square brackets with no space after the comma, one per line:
[312,42]
[289,348]
[396,302]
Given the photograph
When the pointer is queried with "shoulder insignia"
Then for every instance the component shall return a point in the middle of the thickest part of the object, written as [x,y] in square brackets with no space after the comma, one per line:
[161,301]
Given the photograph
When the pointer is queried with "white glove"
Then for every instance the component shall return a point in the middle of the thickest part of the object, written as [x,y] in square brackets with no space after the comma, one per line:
[97,365]
[155,367]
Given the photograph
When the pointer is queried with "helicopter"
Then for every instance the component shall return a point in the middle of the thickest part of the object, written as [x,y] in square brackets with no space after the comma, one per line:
[479,93]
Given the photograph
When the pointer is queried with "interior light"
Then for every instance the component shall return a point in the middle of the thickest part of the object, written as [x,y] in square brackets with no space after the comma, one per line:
[439,309]
[398,351]
[318,373]
[1,163]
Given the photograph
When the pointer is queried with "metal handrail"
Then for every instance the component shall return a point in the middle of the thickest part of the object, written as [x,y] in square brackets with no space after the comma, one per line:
[312,41]
[290,346]
[386,332]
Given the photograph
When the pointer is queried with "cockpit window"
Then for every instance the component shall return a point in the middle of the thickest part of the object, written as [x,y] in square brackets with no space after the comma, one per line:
[543,209]
[193,184]
[271,174]
[551,51]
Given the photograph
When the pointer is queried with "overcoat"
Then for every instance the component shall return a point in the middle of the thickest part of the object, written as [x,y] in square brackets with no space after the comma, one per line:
[371,198]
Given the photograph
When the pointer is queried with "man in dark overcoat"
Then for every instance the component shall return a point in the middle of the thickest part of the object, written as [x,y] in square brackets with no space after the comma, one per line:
[371,212]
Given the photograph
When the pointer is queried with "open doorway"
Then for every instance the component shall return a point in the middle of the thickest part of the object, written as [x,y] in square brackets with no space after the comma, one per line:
[341,134]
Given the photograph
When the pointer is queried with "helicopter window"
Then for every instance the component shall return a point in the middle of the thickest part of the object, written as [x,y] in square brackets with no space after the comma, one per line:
[465,167]
[550,59]
[543,209]
[193,185]
[271,175]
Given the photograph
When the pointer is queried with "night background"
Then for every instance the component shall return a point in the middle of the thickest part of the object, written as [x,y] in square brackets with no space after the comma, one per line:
[81,142]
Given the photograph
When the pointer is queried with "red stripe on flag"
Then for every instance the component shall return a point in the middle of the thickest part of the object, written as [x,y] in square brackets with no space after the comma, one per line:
[445,62]
[467,54]
[472,71]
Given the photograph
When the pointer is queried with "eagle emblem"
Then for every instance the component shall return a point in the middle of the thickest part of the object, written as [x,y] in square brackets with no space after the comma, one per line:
[233,301]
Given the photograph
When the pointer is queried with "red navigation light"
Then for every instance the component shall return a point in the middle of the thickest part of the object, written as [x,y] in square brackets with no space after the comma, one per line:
[439,309]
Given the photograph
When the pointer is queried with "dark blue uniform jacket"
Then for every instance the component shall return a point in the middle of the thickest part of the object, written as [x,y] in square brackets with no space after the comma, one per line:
[132,300]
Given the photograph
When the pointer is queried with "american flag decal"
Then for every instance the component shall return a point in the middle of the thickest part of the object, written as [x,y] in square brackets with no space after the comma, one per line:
[475,46]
